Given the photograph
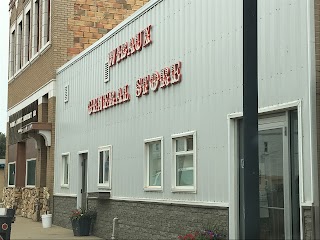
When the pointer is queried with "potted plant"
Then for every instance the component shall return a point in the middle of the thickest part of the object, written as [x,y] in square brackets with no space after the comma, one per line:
[81,220]
[209,233]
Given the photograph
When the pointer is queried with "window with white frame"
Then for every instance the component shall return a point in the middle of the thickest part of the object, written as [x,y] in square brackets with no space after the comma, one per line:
[65,170]
[36,27]
[27,34]
[19,46]
[154,164]
[12,174]
[46,19]
[12,51]
[31,172]
[184,161]
[104,174]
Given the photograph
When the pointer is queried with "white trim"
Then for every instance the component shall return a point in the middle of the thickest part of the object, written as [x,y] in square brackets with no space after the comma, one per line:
[82,152]
[233,163]
[45,23]
[35,28]
[12,51]
[26,177]
[191,203]
[19,19]
[174,187]
[311,58]
[146,161]
[62,184]
[15,173]
[105,185]
[47,88]
[145,8]
[19,44]
[13,27]
[64,195]
[269,109]
[27,7]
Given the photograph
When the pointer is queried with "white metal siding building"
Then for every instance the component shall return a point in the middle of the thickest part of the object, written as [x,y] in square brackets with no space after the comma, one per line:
[206,37]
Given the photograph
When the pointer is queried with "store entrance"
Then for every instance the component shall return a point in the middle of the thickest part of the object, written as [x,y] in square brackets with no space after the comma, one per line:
[83,182]
[278,177]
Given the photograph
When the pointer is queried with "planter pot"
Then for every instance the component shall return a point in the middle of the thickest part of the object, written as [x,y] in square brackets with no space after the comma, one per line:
[81,227]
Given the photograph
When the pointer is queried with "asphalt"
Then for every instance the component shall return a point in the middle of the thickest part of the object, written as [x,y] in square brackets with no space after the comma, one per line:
[24,228]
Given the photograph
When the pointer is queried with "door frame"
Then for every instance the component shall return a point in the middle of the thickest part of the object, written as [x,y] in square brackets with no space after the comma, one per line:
[79,185]
[233,162]
[282,124]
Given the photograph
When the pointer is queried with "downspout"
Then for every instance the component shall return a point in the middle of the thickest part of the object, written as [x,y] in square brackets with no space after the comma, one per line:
[115,221]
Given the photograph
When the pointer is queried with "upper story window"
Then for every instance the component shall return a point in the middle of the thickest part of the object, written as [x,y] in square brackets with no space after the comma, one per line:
[36,27]
[65,170]
[12,174]
[12,51]
[31,172]
[27,34]
[154,164]
[19,46]
[46,19]
[104,176]
[184,162]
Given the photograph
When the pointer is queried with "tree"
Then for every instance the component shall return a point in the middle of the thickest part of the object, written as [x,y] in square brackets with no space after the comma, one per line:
[2,145]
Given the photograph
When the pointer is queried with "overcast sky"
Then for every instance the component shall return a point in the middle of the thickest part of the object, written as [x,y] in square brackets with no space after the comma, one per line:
[4,49]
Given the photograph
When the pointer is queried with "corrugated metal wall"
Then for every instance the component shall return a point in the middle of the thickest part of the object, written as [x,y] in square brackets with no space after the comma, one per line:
[206,36]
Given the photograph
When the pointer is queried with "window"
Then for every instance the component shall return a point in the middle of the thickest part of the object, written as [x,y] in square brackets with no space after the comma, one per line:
[154,164]
[65,170]
[36,28]
[19,55]
[12,54]
[46,12]
[104,167]
[184,162]
[12,174]
[27,35]
[31,172]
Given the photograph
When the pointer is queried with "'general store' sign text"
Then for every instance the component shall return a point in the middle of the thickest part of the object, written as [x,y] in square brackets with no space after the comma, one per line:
[166,77]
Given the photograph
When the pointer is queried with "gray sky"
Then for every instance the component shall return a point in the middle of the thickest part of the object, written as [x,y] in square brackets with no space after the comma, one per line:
[4,49]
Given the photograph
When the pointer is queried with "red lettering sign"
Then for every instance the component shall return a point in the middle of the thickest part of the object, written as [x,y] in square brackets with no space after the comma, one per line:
[136,43]
[110,99]
[168,77]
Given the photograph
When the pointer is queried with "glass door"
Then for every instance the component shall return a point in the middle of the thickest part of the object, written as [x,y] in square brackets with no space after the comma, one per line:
[278,200]
[272,185]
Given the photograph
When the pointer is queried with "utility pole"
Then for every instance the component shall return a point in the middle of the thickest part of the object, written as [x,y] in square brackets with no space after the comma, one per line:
[251,215]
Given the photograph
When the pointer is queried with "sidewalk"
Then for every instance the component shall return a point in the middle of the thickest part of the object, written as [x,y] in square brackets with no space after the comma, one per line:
[24,228]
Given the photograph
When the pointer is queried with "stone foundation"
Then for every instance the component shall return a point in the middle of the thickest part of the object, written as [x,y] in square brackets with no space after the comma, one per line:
[142,220]
[29,202]
[62,207]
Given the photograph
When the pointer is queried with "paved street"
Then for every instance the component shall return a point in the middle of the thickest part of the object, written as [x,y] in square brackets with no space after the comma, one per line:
[24,228]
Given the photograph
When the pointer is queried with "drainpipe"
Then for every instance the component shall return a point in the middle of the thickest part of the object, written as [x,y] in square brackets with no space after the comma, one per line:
[115,220]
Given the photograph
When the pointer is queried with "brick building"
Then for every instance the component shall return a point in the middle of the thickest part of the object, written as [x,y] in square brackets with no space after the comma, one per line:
[45,34]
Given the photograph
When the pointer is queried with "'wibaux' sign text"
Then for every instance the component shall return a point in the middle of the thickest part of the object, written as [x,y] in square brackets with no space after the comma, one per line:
[135,44]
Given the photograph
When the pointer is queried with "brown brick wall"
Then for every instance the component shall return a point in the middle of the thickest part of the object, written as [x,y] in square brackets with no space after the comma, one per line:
[32,78]
[93,19]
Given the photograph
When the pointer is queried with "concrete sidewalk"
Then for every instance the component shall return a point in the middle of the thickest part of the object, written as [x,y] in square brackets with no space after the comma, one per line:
[24,228]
